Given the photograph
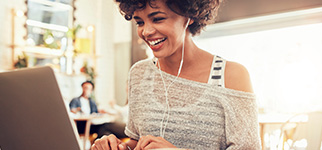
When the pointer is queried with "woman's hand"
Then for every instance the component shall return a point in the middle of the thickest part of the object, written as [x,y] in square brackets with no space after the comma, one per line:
[151,142]
[110,142]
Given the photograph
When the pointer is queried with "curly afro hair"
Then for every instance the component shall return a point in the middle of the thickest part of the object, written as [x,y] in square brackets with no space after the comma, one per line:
[203,12]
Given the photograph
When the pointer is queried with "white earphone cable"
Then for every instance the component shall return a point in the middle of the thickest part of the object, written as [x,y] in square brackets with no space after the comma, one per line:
[163,127]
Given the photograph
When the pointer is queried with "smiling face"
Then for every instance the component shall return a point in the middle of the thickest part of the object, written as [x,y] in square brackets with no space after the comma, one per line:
[161,28]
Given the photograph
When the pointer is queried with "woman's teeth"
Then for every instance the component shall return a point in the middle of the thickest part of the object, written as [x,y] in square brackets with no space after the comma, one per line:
[156,42]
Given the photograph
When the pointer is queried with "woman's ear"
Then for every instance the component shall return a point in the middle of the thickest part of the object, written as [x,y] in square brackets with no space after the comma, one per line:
[191,22]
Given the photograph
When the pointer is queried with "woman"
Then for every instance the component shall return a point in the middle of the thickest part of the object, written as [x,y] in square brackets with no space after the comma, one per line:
[185,97]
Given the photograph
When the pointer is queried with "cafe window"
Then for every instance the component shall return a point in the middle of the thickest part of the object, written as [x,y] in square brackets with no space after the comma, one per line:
[283,54]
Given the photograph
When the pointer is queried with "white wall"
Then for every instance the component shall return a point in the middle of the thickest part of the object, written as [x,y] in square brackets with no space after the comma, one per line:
[122,27]
[122,46]
[105,64]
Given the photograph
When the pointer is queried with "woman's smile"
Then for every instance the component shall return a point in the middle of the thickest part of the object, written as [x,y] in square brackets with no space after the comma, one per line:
[156,44]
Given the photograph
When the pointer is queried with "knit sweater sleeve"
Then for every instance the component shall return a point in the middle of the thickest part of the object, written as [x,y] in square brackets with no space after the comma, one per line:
[241,120]
[130,129]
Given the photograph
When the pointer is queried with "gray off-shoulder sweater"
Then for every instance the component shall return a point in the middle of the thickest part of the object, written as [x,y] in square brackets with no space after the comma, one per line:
[201,116]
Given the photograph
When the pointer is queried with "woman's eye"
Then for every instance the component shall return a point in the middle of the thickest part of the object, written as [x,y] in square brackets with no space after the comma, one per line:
[158,19]
[139,23]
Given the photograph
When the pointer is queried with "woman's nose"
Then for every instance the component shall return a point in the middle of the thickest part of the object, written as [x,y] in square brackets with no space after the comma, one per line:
[148,30]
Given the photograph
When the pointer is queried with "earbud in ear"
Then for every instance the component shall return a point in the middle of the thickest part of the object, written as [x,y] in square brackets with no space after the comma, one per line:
[188,23]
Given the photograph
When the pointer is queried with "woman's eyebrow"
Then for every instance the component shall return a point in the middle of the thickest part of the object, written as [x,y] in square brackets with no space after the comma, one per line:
[155,13]
[136,17]
[150,15]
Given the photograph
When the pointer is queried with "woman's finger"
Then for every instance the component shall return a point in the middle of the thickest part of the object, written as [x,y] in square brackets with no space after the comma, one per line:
[113,142]
[93,147]
[110,142]
[147,140]
[151,145]
[138,147]
[122,146]
[144,141]
[101,144]
[98,146]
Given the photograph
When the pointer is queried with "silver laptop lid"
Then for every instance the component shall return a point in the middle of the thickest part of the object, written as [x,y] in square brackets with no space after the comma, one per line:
[32,112]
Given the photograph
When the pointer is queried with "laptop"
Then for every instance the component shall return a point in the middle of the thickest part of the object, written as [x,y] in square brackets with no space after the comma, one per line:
[32,112]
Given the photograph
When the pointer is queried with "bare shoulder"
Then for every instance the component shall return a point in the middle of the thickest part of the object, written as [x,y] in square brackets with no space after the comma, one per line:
[237,77]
